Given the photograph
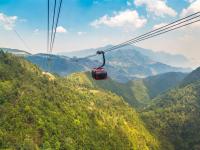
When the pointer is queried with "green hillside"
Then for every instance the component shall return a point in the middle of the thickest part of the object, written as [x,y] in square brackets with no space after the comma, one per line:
[174,116]
[163,82]
[85,79]
[192,77]
[137,93]
[40,111]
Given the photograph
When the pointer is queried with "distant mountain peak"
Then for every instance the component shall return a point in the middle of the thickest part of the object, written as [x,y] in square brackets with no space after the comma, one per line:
[192,77]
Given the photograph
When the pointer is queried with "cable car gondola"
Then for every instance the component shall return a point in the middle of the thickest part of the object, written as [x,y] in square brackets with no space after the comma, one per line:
[100,73]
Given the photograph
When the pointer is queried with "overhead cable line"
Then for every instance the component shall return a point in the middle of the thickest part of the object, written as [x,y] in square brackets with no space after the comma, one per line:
[51,38]
[56,25]
[164,29]
[48,24]
[53,23]
[21,39]
[18,35]
[144,38]
[156,32]
[47,59]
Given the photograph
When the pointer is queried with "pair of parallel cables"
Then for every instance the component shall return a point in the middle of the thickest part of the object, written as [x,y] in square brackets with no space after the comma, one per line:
[51,35]
[191,19]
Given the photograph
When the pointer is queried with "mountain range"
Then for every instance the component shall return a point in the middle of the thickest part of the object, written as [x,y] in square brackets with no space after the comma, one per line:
[158,56]
[123,65]
[44,111]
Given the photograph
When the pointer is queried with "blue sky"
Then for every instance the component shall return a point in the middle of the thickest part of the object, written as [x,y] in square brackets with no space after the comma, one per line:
[94,23]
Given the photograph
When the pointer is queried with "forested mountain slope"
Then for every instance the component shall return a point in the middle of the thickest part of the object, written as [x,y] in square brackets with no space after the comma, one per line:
[163,82]
[39,111]
[192,77]
[174,116]
[137,93]
[61,65]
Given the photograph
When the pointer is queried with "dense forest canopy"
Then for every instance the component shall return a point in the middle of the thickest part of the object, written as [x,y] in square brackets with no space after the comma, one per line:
[38,112]
[175,116]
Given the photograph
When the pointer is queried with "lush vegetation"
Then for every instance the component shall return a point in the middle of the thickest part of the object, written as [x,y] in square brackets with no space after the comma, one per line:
[40,111]
[174,117]
[159,84]
[85,79]
[43,111]
[192,77]
[137,93]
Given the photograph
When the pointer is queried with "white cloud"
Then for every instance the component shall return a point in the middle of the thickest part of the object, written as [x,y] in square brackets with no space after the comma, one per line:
[61,29]
[192,8]
[127,19]
[159,25]
[81,33]
[157,7]
[190,1]
[8,22]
